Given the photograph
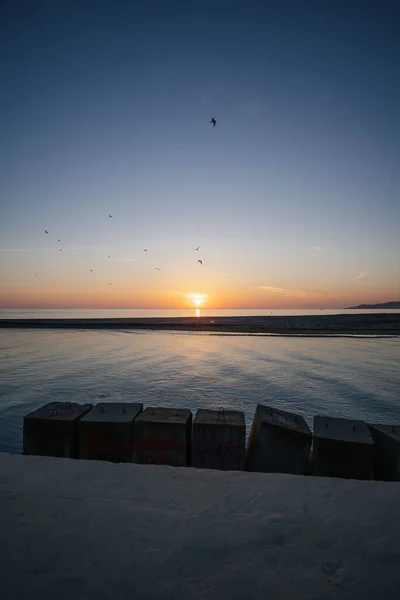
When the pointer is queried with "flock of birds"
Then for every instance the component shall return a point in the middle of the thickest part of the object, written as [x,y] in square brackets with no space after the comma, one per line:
[109,256]
[213,122]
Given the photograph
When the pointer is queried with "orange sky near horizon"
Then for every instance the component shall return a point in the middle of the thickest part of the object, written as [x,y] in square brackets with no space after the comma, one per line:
[100,295]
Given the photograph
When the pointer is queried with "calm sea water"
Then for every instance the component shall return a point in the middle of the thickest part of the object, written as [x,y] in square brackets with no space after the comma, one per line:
[350,377]
[189,312]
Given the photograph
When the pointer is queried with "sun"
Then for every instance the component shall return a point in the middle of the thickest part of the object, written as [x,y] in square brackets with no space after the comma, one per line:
[197,299]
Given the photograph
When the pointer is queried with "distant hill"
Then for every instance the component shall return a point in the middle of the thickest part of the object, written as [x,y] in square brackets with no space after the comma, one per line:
[383,305]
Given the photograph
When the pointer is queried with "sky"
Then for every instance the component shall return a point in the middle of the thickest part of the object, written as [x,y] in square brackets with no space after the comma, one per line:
[293,197]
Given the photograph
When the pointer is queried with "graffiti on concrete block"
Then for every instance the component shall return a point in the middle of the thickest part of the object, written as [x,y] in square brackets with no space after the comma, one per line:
[218,451]
[153,450]
[106,446]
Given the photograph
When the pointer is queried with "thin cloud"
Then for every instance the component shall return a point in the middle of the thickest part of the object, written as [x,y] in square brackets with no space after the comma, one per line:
[49,249]
[359,275]
[26,249]
[295,293]
[271,288]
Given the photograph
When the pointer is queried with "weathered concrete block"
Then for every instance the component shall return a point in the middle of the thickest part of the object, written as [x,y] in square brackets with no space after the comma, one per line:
[106,431]
[219,440]
[343,448]
[52,430]
[279,442]
[163,437]
[387,451]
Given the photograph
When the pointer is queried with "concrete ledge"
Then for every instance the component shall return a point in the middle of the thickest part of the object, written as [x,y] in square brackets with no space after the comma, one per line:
[92,530]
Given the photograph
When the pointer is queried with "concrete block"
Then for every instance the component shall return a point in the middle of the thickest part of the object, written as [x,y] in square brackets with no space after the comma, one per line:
[279,442]
[163,437]
[52,430]
[106,431]
[387,451]
[219,440]
[343,448]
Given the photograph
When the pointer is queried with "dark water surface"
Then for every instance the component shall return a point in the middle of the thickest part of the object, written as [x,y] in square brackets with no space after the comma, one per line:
[351,377]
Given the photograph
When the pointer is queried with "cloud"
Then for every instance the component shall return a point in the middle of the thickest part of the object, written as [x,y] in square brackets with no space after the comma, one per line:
[55,248]
[26,249]
[359,275]
[296,293]
[251,107]
[319,248]
[271,288]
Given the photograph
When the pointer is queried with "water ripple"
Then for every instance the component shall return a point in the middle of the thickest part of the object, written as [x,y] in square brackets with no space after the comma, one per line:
[357,378]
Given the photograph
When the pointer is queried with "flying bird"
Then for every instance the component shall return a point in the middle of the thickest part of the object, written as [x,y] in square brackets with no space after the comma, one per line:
[145,249]
[58,240]
[46,231]
[91,270]
[213,121]
[109,284]
[110,216]
[35,274]
[200,261]
[109,257]
[157,269]
[60,250]
[198,248]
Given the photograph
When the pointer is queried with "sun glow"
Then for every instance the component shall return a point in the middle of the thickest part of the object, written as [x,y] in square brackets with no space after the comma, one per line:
[197,299]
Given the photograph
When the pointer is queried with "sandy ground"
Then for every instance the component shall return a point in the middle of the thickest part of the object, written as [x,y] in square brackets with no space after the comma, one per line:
[340,324]
[90,530]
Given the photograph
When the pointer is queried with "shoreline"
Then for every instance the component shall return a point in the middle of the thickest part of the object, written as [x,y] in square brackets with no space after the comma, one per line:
[380,324]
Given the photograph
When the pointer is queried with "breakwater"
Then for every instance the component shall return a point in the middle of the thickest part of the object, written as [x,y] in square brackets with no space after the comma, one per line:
[279,441]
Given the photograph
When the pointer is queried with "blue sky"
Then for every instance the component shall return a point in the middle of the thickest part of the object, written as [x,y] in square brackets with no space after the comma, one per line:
[105,109]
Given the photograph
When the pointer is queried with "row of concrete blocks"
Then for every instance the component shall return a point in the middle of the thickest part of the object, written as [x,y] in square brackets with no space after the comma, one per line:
[279,441]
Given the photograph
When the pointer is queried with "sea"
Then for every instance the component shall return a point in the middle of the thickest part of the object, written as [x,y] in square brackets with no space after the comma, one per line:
[353,377]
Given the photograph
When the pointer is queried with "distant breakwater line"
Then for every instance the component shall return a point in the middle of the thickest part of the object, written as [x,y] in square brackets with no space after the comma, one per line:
[381,324]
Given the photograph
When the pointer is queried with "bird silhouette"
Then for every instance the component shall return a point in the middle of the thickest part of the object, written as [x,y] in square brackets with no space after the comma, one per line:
[157,269]
[91,270]
[145,249]
[58,240]
[109,284]
[200,261]
[110,216]
[109,257]
[60,250]
[35,274]
[213,121]
[198,248]
[46,231]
